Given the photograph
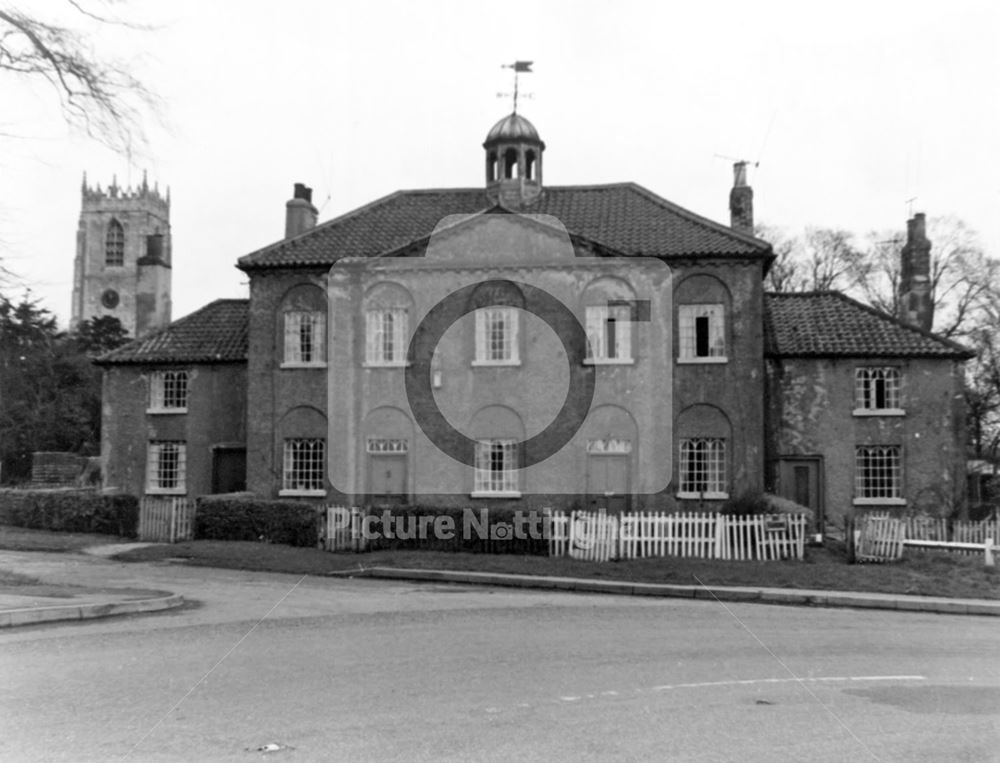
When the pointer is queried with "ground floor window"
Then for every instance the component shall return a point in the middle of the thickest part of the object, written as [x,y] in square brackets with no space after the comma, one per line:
[304,471]
[166,467]
[496,468]
[877,472]
[703,468]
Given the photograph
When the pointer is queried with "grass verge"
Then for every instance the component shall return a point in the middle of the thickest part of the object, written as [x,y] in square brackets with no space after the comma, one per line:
[926,574]
[25,539]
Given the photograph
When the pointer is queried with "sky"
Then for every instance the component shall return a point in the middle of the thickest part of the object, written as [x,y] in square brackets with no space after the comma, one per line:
[851,109]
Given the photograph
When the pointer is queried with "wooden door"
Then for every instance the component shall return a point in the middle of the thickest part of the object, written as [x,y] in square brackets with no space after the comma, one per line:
[607,482]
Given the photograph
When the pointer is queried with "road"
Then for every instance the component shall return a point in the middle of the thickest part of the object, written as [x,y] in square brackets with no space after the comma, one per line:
[329,669]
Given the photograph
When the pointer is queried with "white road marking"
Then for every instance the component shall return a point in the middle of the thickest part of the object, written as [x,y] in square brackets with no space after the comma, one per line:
[751,681]
[715,684]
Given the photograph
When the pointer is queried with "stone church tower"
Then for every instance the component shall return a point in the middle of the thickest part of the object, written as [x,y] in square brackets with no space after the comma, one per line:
[122,265]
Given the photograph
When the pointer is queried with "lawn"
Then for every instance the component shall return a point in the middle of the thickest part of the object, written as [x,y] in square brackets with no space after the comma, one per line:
[24,539]
[825,568]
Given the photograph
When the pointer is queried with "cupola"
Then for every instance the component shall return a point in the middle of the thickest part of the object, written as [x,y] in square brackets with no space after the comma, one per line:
[513,162]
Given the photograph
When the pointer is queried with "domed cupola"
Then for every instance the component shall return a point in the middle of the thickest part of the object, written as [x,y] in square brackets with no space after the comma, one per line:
[513,162]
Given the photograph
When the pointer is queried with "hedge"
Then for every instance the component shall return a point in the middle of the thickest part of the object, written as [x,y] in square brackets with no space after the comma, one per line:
[482,531]
[77,511]
[243,517]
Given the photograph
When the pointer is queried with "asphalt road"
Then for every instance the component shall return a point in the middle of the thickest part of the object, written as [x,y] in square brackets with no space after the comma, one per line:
[329,669]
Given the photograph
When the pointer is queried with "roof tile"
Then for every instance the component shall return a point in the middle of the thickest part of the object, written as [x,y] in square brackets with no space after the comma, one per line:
[624,217]
[215,333]
[831,324]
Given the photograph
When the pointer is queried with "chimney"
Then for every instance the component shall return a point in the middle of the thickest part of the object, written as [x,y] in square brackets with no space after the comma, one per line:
[916,303]
[300,214]
[154,247]
[741,201]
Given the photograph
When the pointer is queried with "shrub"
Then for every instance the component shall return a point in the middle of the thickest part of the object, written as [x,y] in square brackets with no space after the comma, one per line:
[483,531]
[71,511]
[243,517]
[746,505]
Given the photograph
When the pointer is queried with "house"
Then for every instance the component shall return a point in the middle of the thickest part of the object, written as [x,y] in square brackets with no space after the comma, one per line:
[175,406]
[571,345]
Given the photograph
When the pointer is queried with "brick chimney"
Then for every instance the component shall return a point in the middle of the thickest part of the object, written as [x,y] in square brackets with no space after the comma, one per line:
[916,303]
[741,201]
[300,214]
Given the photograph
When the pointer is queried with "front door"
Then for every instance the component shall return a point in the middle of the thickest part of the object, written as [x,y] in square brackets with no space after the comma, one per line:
[607,482]
[387,478]
[800,479]
[229,470]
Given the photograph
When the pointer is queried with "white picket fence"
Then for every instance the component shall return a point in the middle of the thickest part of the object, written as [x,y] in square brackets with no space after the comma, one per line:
[166,519]
[342,530]
[881,537]
[596,536]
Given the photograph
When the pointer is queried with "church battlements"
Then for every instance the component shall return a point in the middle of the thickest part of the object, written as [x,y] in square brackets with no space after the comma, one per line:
[143,196]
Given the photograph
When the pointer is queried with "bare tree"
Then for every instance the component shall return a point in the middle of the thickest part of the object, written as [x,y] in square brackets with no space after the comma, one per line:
[821,259]
[784,273]
[98,94]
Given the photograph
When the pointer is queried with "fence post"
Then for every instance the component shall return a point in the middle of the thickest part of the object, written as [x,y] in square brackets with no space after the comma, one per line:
[989,552]
[173,520]
[720,529]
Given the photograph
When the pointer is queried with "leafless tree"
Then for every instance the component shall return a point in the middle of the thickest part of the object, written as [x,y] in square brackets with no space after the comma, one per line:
[98,94]
[783,274]
[819,260]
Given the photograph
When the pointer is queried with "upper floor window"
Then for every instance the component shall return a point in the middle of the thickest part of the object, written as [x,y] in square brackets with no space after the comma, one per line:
[168,392]
[703,468]
[876,390]
[496,468]
[702,332]
[166,467]
[304,338]
[877,474]
[609,333]
[114,244]
[386,332]
[496,337]
[303,467]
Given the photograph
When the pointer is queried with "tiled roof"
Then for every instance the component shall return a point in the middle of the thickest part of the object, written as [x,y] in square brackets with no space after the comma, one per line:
[215,333]
[624,217]
[830,324]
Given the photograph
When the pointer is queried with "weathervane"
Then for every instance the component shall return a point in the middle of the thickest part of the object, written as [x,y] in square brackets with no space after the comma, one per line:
[518,67]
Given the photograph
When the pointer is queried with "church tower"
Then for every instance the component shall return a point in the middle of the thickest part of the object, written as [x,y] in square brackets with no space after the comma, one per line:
[122,263]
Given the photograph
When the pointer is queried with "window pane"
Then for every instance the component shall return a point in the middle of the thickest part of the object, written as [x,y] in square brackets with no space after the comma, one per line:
[303,464]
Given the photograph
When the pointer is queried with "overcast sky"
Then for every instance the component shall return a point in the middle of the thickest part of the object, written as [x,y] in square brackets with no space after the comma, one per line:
[851,109]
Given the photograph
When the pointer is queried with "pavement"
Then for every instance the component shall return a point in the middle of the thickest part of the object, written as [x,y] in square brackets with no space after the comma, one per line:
[45,603]
[85,603]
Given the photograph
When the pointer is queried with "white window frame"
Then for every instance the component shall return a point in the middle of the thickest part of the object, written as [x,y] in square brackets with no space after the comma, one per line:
[378,339]
[713,468]
[867,380]
[879,483]
[162,476]
[392,446]
[604,322]
[167,389]
[311,480]
[490,482]
[687,328]
[299,325]
[491,321]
